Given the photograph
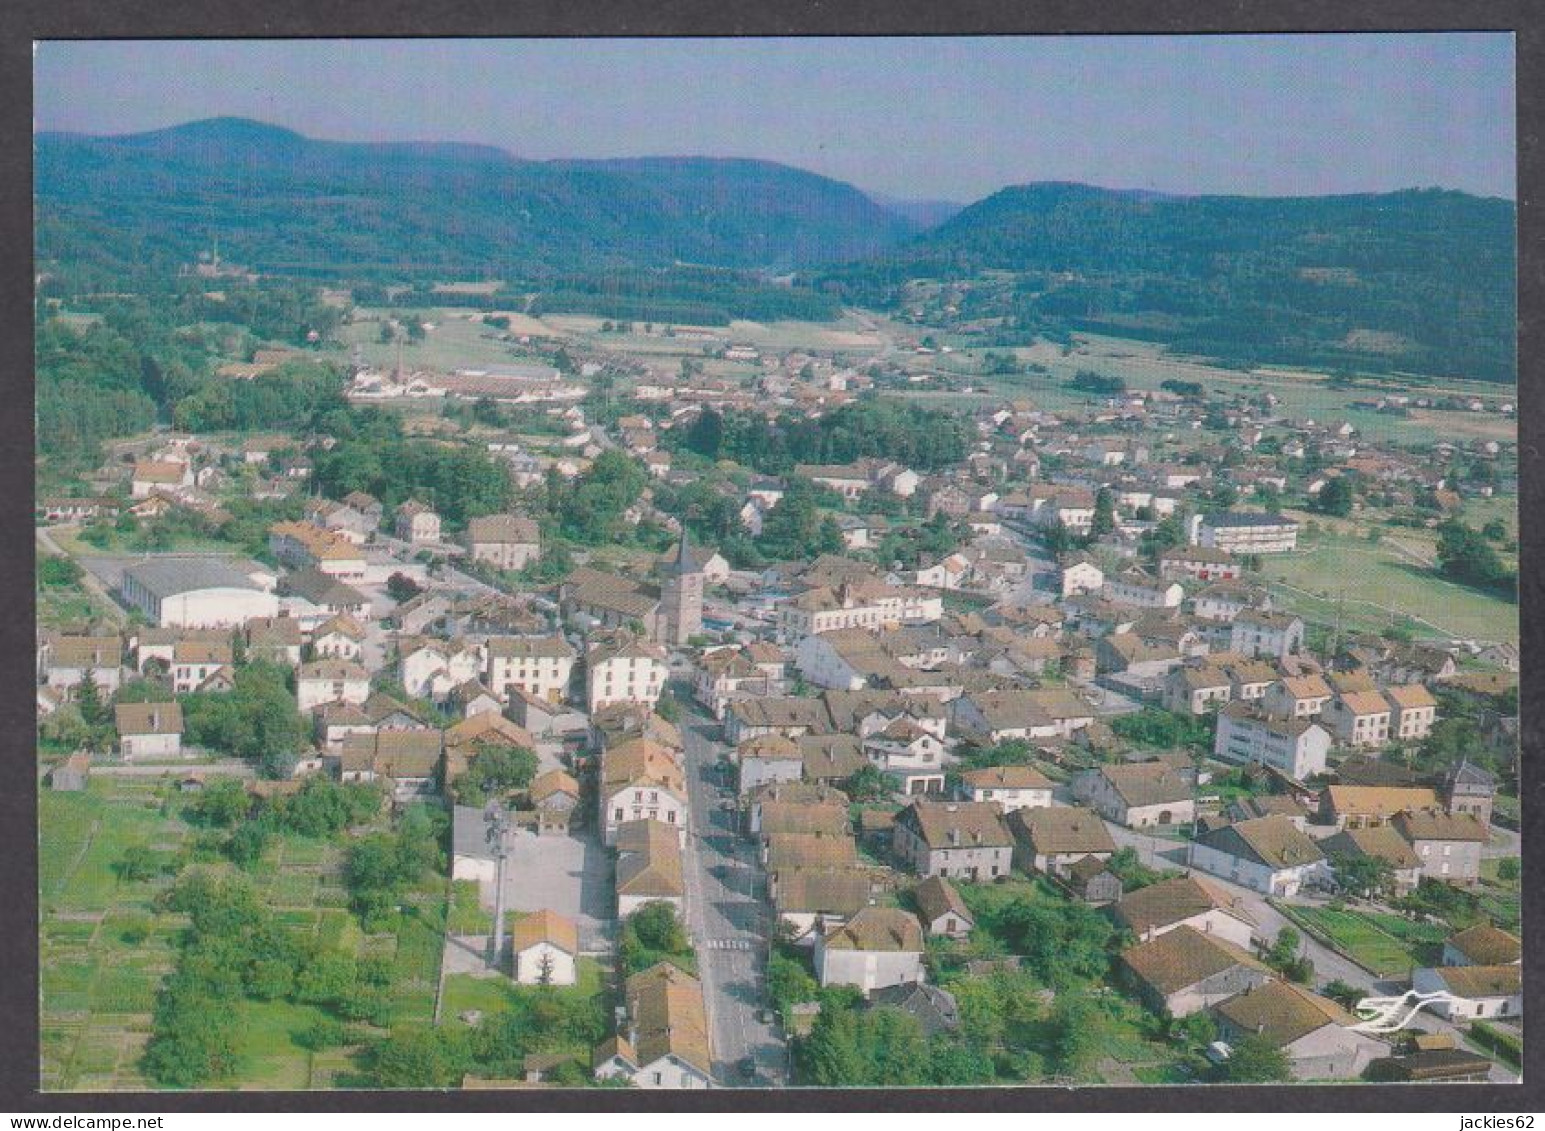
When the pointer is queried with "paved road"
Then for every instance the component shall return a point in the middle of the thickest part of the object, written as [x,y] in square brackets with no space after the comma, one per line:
[1164,852]
[728,918]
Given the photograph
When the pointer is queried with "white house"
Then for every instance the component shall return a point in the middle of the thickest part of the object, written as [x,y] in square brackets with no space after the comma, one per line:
[544,948]
[1268,854]
[1245,532]
[1137,794]
[1483,991]
[1185,901]
[539,665]
[878,947]
[1010,787]
[624,670]
[666,1042]
[1246,734]
[148,731]
[431,669]
[1079,574]
[331,681]
[641,779]
[417,523]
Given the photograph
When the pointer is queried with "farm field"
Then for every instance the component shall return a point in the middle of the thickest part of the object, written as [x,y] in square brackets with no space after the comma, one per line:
[1143,365]
[1378,582]
[1388,945]
[106,947]
[455,342]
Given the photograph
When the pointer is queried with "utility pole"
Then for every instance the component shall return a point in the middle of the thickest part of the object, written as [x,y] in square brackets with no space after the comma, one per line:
[498,821]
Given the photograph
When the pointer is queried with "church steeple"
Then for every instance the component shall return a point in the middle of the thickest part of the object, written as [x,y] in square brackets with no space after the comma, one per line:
[683,562]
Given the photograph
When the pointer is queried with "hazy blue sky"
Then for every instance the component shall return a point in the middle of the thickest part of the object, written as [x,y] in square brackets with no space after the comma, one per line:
[918,118]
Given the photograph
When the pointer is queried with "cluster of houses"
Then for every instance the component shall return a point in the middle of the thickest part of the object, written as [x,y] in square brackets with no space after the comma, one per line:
[835,671]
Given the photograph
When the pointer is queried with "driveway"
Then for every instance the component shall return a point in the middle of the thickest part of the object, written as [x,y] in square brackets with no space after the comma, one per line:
[728,917]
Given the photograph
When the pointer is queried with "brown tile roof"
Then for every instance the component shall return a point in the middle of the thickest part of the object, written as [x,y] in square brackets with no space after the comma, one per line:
[1486,945]
[1059,830]
[1282,1012]
[1273,841]
[958,824]
[1353,681]
[834,891]
[1482,981]
[148,718]
[1183,957]
[1167,902]
[545,926]
[332,670]
[665,1006]
[1006,777]
[1435,824]
[547,784]
[1409,696]
[769,747]
[529,647]
[1147,783]
[503,529]
[1378,800]
[393,753]
[803,817]
[878,929]
[936,896]
[489,727]
[201,652]
[802,792]
[810,850]
[831,757]
[1381,842]
[283,631]
[1306,687]
[642,761]
[649,860]
[85,651]
[343,624]
[1364,702]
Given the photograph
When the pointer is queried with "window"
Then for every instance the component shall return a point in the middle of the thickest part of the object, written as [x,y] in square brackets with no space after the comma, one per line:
[670,816]
[617,814]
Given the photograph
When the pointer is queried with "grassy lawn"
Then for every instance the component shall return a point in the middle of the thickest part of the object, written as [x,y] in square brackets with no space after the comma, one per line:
[496,995]
[1388,945]
[1500,898]
[454,343]
[1374,580]
[105,950]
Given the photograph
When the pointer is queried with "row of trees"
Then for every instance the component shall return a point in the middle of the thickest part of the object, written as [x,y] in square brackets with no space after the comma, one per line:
[923,439]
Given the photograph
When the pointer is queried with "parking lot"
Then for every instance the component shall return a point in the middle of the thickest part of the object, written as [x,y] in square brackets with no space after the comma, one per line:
[569,875]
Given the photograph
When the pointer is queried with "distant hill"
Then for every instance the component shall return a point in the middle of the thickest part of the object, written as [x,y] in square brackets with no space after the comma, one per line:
[1420,280]
[280,202]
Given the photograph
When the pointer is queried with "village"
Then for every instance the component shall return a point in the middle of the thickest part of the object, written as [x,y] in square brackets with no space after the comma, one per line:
[1081,712]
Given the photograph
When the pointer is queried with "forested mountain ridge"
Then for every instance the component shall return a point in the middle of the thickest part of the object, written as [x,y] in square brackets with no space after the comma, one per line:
[282,203]
[1419,280]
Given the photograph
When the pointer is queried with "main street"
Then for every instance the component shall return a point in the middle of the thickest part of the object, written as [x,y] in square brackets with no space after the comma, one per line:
[727,916]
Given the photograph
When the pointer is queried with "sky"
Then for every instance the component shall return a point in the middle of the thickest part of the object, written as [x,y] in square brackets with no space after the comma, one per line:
[912,118]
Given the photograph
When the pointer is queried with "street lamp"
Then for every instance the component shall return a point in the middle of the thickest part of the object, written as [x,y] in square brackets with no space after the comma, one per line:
[497,818]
